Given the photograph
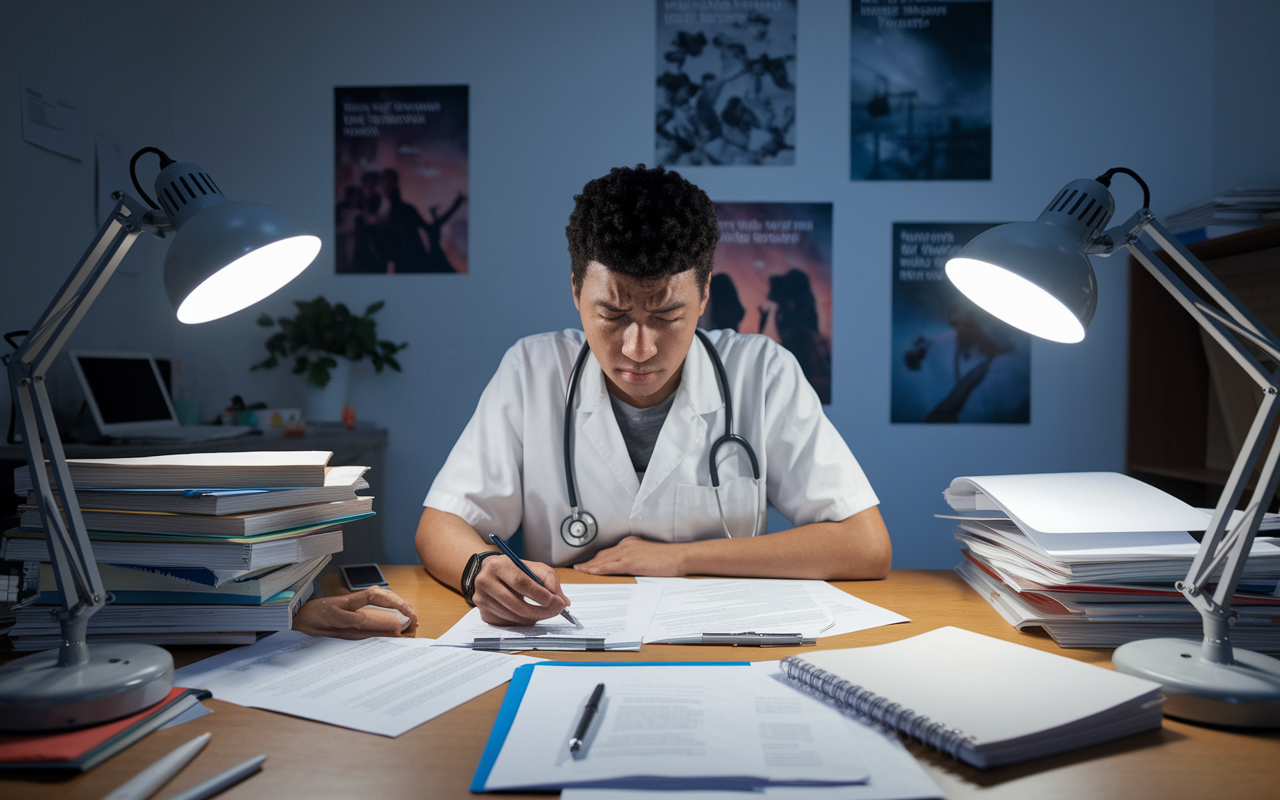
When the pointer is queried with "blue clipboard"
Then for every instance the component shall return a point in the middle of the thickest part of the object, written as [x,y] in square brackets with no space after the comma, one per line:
[515,695]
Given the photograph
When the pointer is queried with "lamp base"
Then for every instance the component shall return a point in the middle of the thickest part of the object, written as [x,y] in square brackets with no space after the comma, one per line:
[118,680]
[1245,694]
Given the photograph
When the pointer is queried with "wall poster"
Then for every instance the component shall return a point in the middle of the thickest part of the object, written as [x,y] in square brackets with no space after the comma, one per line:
[400,179]
[920,90]
[952,361]
[726,82]
[773,276]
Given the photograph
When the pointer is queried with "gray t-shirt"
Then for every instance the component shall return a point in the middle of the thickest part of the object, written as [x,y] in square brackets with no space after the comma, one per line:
[640,428]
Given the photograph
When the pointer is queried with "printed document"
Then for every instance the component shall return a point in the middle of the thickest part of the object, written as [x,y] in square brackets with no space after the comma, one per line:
[383,686]
[706,726]
[619,613]
[691,607]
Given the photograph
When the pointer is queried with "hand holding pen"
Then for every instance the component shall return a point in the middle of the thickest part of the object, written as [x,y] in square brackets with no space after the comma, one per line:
[504,583]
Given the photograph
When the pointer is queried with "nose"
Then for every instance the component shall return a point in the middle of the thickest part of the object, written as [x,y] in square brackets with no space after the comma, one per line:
[639,343]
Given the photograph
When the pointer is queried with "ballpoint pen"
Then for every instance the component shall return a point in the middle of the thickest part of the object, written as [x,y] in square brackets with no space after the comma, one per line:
[145,783]
[227,779]
[584,724]
[537,643]
[511,554]
[747,638]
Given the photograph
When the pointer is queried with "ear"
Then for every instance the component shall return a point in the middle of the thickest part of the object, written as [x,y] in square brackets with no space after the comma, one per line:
[573,288]
[706,296]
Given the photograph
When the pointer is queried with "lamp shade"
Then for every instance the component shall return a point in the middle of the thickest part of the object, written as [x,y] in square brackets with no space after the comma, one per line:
[1036,276]
[226,255]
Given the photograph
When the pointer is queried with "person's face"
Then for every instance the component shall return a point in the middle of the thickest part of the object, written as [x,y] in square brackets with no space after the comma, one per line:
[640,330]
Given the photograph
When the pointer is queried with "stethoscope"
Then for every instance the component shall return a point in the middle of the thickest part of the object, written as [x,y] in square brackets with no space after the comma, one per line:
[580,527]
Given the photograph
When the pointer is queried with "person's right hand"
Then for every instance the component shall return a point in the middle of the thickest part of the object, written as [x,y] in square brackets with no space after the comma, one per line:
[501,589]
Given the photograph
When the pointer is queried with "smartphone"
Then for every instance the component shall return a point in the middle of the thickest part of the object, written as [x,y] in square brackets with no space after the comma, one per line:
[361,576]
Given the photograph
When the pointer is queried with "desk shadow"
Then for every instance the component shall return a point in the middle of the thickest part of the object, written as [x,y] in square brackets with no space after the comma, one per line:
[996,776]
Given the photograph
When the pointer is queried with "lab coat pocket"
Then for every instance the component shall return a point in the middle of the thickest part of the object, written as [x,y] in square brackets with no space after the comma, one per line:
[697,515]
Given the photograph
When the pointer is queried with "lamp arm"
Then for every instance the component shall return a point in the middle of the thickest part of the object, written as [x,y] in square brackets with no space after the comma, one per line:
[1218,545]
[70,552]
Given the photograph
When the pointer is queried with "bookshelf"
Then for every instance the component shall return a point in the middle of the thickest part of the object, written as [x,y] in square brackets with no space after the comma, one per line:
[1189,405]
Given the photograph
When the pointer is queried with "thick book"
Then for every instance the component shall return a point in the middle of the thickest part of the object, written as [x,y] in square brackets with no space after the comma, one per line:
[234,525]
[341,483]
[173,551]
[144,586]
[259,469]
[84,748]
[982,700]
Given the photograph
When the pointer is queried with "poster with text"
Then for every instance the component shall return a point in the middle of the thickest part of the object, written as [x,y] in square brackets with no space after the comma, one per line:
[726,89]
[952,361]
[920,91]
[773,276]
[400,179]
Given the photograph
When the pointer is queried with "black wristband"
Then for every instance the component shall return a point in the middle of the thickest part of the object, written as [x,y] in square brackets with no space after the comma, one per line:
[470,572]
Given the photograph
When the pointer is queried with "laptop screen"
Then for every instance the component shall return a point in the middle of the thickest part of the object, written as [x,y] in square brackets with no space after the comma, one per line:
[125,388]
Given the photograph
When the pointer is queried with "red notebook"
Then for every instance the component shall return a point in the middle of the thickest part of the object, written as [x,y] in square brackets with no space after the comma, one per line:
[84,748]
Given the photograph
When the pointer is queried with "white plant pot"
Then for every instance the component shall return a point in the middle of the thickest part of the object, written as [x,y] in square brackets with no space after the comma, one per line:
[325,405]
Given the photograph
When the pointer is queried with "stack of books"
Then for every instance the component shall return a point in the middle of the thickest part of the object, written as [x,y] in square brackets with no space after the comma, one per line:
[1233,212]
[207,548]
[1092,559]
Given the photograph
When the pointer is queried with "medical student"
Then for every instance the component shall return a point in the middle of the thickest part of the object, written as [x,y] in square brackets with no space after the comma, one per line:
[637,495]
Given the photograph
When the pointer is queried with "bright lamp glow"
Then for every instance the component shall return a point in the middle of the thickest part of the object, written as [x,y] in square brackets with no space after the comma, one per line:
[1015,300]
[249,279]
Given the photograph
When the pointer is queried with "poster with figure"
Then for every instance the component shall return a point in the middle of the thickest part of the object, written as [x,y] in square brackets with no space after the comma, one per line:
[400,179]
[773,276]
[726,89]
[952,361]
[920,91]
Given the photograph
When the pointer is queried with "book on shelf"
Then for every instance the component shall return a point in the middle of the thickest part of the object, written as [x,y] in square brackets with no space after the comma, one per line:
[150,586]
[84,748]
[341,483]
[259,469]
[982,700]
[233,525]
[187,551]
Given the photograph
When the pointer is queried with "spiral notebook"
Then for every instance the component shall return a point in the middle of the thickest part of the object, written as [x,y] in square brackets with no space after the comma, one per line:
[982,700]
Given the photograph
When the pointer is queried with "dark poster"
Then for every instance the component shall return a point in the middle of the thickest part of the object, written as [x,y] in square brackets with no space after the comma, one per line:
[401,179]
[726,82]
[773,276]
[952,361]
[920,90]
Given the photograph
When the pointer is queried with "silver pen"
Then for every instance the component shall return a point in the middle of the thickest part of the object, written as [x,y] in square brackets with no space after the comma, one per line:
[537,643]
[224,781]
[748,639]
[146,782]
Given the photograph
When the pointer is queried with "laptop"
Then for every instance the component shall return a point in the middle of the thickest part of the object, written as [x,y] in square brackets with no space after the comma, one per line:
[127,398]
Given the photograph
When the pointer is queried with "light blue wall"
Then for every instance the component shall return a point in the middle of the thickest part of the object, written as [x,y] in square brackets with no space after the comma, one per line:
[561,92]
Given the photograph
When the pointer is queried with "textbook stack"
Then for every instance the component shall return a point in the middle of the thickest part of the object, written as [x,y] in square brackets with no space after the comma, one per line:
[1233,212]
[1092,558]
[196,549]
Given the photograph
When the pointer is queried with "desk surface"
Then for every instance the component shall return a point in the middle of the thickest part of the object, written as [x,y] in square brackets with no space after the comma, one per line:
[313,760]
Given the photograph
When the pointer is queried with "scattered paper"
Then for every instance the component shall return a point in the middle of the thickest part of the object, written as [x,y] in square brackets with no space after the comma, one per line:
[384,686]
[619,613]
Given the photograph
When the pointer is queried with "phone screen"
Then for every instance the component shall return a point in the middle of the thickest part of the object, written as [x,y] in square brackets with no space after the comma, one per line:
[362,575]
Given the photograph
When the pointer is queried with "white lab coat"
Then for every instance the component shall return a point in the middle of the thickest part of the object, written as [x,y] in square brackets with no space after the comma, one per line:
[507,468]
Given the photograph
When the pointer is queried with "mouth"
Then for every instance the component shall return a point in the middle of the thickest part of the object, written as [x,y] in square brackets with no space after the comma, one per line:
[637,376]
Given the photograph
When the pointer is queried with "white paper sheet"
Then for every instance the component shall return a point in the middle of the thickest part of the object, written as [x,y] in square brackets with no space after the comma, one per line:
[722,725]
[383,686]
[894,773]
[691,607]
[619,613]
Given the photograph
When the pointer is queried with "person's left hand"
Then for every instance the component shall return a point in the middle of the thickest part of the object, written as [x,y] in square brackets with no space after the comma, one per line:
[344,616]
[635,556]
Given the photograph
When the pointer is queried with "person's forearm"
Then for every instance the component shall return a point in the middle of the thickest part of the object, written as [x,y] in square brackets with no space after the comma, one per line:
[854,549]
[444,542]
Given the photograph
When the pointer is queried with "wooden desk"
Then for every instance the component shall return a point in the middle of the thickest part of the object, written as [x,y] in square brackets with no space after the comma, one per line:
[311,760]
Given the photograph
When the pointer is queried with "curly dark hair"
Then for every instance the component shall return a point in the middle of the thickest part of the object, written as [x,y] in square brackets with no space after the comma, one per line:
[644,223]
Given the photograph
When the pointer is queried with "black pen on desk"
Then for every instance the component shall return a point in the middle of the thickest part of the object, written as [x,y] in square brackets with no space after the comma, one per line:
[511,554]
[588,714]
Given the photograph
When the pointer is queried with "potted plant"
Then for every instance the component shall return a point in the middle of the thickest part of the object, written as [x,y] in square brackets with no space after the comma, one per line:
[323,339]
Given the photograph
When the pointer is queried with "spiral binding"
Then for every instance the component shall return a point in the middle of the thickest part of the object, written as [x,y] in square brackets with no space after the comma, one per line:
[860,702]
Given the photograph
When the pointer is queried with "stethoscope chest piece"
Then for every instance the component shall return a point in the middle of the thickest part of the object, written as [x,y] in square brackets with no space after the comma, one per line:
[578,530]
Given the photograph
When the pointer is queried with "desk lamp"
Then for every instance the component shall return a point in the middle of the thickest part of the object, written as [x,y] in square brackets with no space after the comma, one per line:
[1037,277]
[226,255]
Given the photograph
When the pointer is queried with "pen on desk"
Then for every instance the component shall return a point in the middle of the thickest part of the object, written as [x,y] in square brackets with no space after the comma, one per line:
[537,643]
[746,638]
[145,783]
[588,714]
[226,780]
[511,554]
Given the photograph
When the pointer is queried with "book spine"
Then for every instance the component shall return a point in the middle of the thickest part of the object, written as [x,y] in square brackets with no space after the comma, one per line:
[859,702]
